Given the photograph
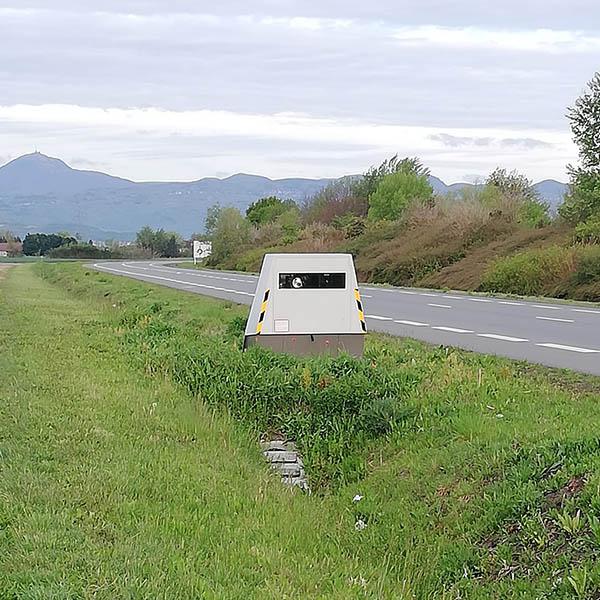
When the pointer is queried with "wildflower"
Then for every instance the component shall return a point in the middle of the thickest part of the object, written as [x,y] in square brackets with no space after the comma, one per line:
[357,498]
[360,525]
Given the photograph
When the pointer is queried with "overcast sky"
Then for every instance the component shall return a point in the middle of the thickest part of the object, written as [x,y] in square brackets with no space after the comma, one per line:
[178,90]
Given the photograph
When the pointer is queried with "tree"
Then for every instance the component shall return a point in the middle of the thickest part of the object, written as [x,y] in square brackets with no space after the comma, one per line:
[512,184]
[583,200]
[398,189]
[515,187]
[145,238]
[231,231]
[38,244]
[365,187]
[212,217]
[161,243]
[266,210]
[290,224]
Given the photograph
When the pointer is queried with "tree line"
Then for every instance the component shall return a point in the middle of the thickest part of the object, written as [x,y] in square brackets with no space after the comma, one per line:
[399,186]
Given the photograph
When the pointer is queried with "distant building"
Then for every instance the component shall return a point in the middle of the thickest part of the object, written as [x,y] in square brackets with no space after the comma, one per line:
[10,249]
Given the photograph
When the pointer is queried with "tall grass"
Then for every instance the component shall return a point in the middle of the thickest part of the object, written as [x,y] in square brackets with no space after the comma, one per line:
[562,271]
[485,486]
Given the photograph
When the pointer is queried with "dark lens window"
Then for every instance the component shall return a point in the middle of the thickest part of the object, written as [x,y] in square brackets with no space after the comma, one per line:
[312,281]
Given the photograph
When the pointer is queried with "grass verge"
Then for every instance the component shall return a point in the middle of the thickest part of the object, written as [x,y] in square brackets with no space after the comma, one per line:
[120,479]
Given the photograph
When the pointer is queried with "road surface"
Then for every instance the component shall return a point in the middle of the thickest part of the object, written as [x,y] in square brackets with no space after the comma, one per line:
[556,334]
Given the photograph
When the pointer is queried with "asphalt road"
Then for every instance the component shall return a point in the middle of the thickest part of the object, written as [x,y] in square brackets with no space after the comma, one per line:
[550,333]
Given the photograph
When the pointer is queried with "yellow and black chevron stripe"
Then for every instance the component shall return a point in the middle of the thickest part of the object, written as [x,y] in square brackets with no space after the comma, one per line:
[263,310]
[361,313]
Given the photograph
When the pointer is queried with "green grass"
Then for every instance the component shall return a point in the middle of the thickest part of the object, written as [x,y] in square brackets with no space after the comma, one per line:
[120,479]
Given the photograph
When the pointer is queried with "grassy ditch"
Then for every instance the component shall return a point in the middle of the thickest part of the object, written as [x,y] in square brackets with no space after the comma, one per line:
[136,438]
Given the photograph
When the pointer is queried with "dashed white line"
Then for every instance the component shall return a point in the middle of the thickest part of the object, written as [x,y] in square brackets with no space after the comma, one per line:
[583,310]
[452,329]
[569,348]
[440,305]
[413,323]
[407,292]
[186,283]
[453,297]
[430,295]
[546,307]
[480,300]
[553,319]
[503,338]
[510,303]
[379,318]
[365,296]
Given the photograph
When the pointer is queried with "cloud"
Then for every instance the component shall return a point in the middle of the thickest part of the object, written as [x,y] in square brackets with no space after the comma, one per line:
[294,86]
[537,40]
[287,126]
[455,141]
[180,143]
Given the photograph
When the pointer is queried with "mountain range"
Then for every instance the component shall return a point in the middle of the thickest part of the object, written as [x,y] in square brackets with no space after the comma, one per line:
[40,193]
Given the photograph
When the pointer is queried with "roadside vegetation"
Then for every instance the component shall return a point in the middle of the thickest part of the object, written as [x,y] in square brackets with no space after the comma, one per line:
[401,233]
[131,465]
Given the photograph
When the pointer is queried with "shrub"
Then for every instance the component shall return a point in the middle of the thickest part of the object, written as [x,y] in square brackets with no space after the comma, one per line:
[231,231]
[395,192]
[583,200]
[350,224]
[531,273]
[588,232]
[266,210]
[82,251]
[335,200]
[588,265]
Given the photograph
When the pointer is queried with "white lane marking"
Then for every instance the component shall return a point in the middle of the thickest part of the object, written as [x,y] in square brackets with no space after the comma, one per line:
[510,303]
[479,300]
[583,310]
[365,296]
[407,292]
[453,297]
[196,273]
[547,307]
[427,294]
[504,338]
[413,323]
[452,329]
[379,318]
[186,283]
[553,319]
[440,305]
[569,348]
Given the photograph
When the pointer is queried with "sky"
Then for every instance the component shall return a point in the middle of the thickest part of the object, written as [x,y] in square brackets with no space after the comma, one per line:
[179,90]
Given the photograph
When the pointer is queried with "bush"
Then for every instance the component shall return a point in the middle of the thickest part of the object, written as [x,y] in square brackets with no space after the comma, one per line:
[231,231]
[266,210]
[82,251]
[394,194]
[335,200]
[531,273]
[588,265]
[583,200]
[588,232]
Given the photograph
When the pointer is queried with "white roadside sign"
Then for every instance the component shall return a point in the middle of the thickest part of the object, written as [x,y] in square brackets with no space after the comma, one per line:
[201,250]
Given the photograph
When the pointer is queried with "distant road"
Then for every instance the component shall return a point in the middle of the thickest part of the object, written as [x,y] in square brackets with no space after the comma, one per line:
[546,332]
